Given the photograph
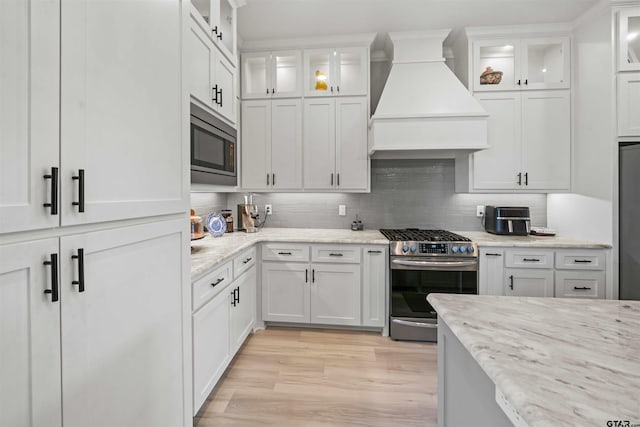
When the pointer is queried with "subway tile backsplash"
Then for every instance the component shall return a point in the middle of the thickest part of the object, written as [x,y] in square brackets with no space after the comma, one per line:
[404,193]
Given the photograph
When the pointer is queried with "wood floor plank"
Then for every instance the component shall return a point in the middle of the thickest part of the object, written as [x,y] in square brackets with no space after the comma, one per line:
[322,378]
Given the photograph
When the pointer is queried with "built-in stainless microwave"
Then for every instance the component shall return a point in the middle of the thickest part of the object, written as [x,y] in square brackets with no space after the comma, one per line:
[213,149]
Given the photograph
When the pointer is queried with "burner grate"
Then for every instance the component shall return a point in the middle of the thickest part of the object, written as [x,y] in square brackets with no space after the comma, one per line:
[417,235]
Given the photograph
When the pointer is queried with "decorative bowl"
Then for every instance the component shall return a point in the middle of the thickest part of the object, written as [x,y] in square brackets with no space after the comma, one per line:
[216,224]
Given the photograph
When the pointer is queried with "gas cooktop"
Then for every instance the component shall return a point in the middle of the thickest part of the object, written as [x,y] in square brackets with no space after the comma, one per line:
[415,234]
[429,243]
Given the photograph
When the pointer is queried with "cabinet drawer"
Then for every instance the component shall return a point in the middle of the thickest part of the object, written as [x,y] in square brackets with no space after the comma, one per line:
[209,286]
[336,254]
[580,284]
[529,258]
[285,252]
[244,261]
[580,260]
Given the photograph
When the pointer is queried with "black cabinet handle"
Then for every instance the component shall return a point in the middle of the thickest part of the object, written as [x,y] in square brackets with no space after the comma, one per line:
[331,89]
[215,29]
[583,288]
[80,281]
[306,275]
[233,298]
[247,260]
[53,262]
[217,282]
[526,178]
[284,253]
[526,81]
[214,94]
[338,88]
[219,93]
[267,91]
[273,91]
[519,178]
[511,282]
[273,178]
[582,261]
[313,275]
[267,179]
[338,179]
[492,254]
[530,260]
[518,83]
[53,176]
[238,297]
[375,252]
[336,254]
[80,179]
[219,36]
[332,180]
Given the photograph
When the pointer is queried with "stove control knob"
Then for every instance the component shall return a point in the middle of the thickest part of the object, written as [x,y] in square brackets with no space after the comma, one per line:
[413,248]
[405,248]
[454,249]
[463,249]
[471,249]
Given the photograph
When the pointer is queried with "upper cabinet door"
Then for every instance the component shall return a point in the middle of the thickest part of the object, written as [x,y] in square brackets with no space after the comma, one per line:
[122,111]
[318,78]
[494,65]
[29,88]
[629,39]
[256,75]
[286,74]
[286,144]
[225,82]
[352,160]
[201,54]
[351,66]
[545,63]
[319,143]
[256,144]
[223,27]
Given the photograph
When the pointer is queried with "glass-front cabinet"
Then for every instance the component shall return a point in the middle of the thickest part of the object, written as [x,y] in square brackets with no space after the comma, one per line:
[536,63]
[331,72]
[271,74]
[629,39]
[220,18]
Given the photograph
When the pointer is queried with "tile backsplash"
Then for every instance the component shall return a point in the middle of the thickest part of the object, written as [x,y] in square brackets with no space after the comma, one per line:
[404,193]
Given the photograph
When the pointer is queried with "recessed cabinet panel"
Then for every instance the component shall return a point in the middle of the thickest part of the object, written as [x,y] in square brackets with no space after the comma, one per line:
[580,284]
[524,282]
[319,144]
[352,159]
[285,292]
[256,144]
[335,294]
[629,39]
[628,104]
[286,144]
[202,58]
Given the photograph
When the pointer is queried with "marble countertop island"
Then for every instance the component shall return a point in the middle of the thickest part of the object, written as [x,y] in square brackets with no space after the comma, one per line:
[559,361]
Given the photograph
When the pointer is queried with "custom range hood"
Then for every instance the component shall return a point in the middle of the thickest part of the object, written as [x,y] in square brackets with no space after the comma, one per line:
[424,110]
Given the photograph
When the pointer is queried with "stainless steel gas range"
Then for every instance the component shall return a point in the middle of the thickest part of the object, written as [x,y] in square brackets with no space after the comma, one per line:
[422,262]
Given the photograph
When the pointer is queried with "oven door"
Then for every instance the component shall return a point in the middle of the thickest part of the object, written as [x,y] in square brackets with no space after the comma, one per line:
[413,279]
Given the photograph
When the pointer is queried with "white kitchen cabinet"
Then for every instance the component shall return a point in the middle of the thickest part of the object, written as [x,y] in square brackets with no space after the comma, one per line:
[526,64]
[374,280]
[530,138]
[335,294]
[211,75]
[338,71]
[628,41]
[122,337]
[491,271]
[580,284]
[629,104]
[211,346]
[525,282]
[276,74]
[29,113]
[335,144]
[30,335]
[272,144]
[243,308]
[525,257]
[285,292]
[219,18]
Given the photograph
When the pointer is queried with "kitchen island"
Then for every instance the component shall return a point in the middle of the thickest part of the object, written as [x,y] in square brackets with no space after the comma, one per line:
[547,361]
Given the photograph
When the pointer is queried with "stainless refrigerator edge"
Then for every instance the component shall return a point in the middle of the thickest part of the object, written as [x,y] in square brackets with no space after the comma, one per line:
[629,233]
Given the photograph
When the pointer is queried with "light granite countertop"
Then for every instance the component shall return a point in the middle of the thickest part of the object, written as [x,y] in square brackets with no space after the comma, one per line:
[559,361]
[483,238]
[206,253]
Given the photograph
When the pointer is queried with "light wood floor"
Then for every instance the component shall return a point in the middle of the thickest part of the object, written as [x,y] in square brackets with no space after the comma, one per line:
[309,377]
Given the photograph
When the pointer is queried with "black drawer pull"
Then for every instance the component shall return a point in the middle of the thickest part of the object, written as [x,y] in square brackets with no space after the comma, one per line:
[530,260]
[336,254]
[217,282]
[233,298]
[492,254]
[375,252]
[80,179]
[511,282]
[54,277]
[313,276]
[583,288]
[306,275]
[285,253]
[247,260]
[80,281]
[54,191]
[238,297]
[582,261]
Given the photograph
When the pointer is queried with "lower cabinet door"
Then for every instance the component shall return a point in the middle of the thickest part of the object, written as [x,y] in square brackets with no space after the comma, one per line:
[374,264]
[524,282]
[243,308]
[121,323]
[211,353]
[580,284]
[29,336]
[285,292]
[491,271]
[335,294]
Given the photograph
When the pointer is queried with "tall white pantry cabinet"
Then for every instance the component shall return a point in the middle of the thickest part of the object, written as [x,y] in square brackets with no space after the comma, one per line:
[94,262]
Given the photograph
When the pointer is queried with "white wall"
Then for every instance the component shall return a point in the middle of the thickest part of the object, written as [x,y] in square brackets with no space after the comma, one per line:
[588,213]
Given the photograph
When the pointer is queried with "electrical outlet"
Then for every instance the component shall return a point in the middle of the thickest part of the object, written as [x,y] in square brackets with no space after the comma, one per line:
[479,211]
[268,209]
[342,210]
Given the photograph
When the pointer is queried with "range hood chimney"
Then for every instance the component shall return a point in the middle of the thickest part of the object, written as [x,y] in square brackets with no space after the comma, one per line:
[424,110]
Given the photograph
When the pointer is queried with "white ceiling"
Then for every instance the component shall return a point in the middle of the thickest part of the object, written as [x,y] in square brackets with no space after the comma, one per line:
[282,19]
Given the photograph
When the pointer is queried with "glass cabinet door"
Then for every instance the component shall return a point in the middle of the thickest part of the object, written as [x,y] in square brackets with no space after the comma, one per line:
[318,72]
[545,63]
[351,71]
[629,39]
[204,8]
[256,75]
[286,72]
[495,66]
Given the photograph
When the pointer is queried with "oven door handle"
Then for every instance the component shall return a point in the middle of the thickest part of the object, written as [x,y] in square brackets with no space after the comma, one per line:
[418,324]
[436,265]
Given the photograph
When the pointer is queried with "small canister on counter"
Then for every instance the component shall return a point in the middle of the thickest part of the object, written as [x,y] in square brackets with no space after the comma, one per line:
[228,217]
[197,227]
